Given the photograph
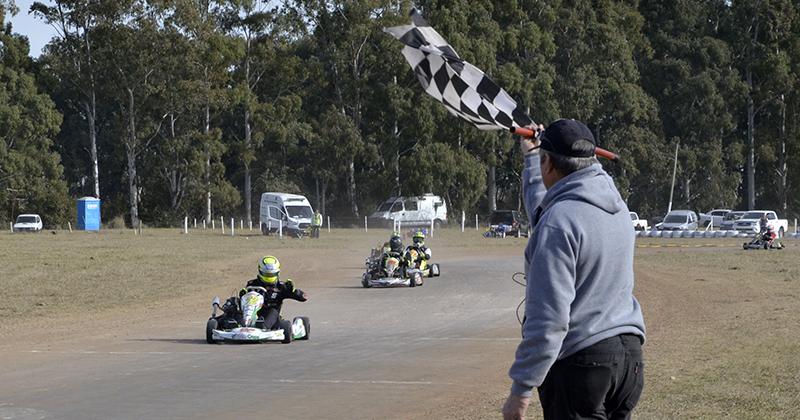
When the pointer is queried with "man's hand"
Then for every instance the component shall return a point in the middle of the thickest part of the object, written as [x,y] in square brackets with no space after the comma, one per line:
[528,144]
[515,407]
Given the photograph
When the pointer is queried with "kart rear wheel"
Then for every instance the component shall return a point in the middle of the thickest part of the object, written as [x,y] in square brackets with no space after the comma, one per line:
[412,280]
[210,326]
[286,326]
[435,270]
[365,280]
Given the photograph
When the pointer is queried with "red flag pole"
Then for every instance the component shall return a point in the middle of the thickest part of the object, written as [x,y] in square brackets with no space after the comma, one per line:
[600,152]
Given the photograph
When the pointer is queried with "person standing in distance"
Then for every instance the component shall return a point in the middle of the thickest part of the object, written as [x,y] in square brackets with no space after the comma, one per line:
[583,330]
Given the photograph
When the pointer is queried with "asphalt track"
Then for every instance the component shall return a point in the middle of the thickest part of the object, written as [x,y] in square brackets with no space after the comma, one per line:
[373,353]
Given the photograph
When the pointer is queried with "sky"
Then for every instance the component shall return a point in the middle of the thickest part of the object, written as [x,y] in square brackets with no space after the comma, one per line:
[38,32]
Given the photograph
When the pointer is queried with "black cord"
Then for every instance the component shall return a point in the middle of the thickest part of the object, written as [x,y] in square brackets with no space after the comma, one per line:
[524,283]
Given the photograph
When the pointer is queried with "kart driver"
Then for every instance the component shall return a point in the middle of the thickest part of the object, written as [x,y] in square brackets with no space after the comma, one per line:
[394,249]
[423,252]
[268,270]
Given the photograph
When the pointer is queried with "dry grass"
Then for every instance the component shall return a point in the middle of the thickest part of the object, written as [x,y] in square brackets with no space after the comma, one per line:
[723,323]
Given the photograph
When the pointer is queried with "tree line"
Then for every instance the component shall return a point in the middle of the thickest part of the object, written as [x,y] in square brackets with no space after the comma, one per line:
[173,108]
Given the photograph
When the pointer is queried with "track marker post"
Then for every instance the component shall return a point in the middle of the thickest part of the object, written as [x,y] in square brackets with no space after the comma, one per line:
[432,228]
[329,224]
[69,225]
[222,224]
[365,224]
[232,225]
[280,228]
[186,225]
[462,221]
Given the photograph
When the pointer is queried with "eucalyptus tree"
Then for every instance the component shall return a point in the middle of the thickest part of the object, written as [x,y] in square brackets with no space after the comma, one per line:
[31,175]
[71,57]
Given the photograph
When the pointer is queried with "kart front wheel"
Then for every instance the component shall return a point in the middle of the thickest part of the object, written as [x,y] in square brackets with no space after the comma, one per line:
[365,280]
[211,325]
[286,326]
[307,326]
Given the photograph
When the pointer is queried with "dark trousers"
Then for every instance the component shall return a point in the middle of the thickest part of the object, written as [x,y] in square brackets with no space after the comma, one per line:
[315,231]
[270,316]
[602,381]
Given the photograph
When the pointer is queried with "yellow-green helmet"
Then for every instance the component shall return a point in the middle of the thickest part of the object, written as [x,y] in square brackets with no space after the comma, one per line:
[419,238]
[268,269]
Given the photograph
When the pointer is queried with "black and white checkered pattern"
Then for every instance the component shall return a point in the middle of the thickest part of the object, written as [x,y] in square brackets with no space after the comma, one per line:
[463,88]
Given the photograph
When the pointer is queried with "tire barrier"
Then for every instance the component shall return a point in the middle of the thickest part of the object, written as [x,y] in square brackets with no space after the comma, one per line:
[705,234]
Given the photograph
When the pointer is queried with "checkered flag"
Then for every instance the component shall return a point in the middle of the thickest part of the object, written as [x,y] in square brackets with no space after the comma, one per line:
[463,88]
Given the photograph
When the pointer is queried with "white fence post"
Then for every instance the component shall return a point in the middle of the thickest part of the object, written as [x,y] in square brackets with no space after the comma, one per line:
[365,224]
[431,228]
[329,224]
[195,223]
[213,226]
[280,228]
[795,226]
[476,221]
[232,225]
[241,224]
[463,219]
[11,226]
[251,225]
[222,224]
[185,225]
[69,225]
[204,224]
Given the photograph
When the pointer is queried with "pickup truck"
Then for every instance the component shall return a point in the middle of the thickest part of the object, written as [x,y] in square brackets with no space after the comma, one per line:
[638,224]
[714,217]
[750,222]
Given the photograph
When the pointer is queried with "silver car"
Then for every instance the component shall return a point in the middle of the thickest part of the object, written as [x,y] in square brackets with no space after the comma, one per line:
[679,220]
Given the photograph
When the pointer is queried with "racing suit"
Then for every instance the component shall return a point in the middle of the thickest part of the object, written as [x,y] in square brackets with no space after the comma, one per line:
[423,253]
[391,252]
[273,299]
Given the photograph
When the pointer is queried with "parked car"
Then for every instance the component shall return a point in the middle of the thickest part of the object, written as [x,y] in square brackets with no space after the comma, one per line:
[751,222]
[28,223]
[518,226]
[638,224]
[714,217]
[679,220]
[730,219]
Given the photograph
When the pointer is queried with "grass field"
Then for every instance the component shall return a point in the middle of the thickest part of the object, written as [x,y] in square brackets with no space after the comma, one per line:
[723,323]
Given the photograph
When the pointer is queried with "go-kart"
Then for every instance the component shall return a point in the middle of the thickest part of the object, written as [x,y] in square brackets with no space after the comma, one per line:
[414,262]
[764,240]
[387,269]
[240,323]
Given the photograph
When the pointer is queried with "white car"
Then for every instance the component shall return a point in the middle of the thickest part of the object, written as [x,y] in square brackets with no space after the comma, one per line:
[28,223]
[751,222]
[730,219]
[638,224]
[714,217]
[679,220]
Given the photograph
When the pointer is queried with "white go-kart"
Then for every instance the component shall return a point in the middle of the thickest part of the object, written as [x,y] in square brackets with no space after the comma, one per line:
[240,323]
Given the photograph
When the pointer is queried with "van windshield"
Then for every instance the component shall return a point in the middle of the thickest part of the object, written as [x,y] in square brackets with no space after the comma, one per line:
[26,219]
[385,206]
[303,212]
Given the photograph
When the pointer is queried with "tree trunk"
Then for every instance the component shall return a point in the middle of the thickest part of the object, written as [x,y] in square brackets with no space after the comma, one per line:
[91,113]
[491,189]
[782,161]
[130,154]
[247,181]
[398,187]
[351,187]
[324,193]
[207,174]
[750,166]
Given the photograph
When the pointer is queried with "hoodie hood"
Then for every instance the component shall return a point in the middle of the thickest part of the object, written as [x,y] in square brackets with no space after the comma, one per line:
[591,185]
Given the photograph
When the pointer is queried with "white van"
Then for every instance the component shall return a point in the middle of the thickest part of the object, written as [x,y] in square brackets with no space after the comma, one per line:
[411,211]
[290,212]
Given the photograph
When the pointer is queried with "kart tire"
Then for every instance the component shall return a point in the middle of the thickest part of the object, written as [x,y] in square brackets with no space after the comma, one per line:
[744,246]
[766,245]
[435,270]
[286,326]
[307,325]
[780,233]
[365,280]
[211,325]
[412,280]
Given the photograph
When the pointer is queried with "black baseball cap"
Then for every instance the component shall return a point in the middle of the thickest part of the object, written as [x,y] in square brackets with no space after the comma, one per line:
[563,137]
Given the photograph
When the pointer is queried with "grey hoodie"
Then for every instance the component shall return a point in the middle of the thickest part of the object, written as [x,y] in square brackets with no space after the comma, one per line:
[579,271]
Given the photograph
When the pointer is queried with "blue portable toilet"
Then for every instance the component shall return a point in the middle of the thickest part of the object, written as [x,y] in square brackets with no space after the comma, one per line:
[88,213]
